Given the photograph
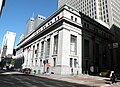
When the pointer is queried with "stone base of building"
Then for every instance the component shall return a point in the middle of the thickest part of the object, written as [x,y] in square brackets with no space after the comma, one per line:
[58,70]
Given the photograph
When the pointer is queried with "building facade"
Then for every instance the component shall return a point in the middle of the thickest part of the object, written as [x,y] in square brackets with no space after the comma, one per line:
[106,12]
[8,44]
[67,42]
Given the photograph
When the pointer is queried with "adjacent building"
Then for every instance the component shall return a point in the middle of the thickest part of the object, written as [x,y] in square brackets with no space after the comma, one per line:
[2,4]
[8,44]
[106,12]
[30,26]
[32,23]
[38,20]
[68,42]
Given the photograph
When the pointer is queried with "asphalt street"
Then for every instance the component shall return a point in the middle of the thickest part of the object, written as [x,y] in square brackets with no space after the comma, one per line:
[16,79]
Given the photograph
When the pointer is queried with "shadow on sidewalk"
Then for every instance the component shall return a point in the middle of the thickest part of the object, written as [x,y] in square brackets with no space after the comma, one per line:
[23,80]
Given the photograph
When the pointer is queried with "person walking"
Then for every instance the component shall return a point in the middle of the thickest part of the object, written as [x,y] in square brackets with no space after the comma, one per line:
[113,78]
[111,74]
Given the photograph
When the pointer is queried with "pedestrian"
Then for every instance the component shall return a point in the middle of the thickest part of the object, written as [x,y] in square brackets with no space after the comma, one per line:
[111,74]
[113,78]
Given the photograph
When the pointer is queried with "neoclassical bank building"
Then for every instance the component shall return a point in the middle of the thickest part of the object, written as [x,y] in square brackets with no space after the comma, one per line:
[67,42]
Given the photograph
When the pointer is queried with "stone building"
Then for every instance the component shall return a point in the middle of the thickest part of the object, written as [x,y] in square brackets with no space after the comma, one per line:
[67,42]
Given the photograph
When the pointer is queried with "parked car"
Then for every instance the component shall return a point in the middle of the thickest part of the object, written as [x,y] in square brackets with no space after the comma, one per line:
[27,70]
[105,73]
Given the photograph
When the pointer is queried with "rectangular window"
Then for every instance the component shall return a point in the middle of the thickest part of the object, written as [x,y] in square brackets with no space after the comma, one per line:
[75,19]
[32,62]
[35,62]
[55,49]
[87,25]
[54,62]
[42,48]
[73,45]
[75,63]
[84,25]
[72,18]
[96,60]
[86,48]
[86,64]
[37,51]
[97,49]
[40,63]
[33,52]
[71,62]
[48,47]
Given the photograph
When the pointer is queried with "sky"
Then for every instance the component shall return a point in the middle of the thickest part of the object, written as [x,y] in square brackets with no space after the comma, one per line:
[16,13]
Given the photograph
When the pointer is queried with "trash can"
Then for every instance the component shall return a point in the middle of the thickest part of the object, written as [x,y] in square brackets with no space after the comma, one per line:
[34,72]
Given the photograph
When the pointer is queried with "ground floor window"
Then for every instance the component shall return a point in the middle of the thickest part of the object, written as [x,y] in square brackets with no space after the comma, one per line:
[54,62]
[35,62]
[71,60]
[75,63]
[86,48]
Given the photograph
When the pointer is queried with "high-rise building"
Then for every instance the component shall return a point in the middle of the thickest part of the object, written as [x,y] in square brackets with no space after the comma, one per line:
[104,11]
[21,37]
[8,44]
[32,23]
[2,3]
[67,42]
[38,20]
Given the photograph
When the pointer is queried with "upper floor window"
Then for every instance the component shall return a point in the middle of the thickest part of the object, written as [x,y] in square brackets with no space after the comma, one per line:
[71,61]
[75,63]
[37,51]
[58,17]
[86,48]
[48,47]
[71,17]
[55,19]
[73,45]
[84,24]
[87,25]
[75,19]
[33,51]
[54,62]
[42,48]
[55,49]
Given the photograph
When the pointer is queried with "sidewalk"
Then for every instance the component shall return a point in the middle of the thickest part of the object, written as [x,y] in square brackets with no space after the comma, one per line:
[94,81]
